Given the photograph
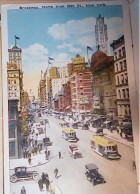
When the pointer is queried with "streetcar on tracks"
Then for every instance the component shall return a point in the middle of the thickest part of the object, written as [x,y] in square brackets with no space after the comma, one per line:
[105,147]
[69,135]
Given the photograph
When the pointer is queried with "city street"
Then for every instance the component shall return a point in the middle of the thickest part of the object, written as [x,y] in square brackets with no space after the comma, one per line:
[119,175]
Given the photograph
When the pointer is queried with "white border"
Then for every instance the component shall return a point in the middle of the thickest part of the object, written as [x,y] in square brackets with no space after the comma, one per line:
[130,65]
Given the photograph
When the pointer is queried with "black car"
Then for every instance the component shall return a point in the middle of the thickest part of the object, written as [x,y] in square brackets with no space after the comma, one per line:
[99,131]
[93,175]
[85,126]
[21,173]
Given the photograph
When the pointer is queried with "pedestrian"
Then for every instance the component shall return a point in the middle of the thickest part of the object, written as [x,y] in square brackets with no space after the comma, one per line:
[121,134]
[47,184]
[48,153]
[59,155]
[56,173]
[43,177]
[23,191]
[29,160]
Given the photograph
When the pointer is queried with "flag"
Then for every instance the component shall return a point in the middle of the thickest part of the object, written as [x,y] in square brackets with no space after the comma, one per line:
[50,58]
[17,37]
[89,48]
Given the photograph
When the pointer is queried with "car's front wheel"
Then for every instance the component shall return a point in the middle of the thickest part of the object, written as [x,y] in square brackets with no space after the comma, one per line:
[13,179]
[35,176]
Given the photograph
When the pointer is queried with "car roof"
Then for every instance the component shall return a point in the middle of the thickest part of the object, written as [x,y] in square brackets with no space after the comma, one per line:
[91,166]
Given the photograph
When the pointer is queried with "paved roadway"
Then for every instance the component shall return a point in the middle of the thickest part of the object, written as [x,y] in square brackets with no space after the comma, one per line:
[119,175]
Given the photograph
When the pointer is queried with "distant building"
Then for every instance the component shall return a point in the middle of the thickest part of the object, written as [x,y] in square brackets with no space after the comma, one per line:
[42,92]
[121,78]
[101,35]
[53,73]
[62,72]
[25,99]
[81,86]
[102,68]
[57,84]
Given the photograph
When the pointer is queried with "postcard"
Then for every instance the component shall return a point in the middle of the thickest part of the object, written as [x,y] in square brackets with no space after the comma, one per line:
[66,89]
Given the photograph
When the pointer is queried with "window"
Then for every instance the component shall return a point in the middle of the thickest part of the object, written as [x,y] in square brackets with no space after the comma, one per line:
[118,82]
[126,78]
[12,130]
[14,81]
[115,55]
[127,91]
[119,93]
[82,93]
[12,150]
[123,51]
[120,55]
[83,107]
[125,65]
[124,95]
[117,67]
[121,66]
[122,78]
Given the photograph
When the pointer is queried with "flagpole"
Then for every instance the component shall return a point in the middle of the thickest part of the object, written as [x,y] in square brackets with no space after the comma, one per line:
[15,41]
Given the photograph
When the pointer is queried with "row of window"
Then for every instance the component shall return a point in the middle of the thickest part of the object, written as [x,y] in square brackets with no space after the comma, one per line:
[123,93]
[12,94]
[12,74]
[120,53]
[121,66]
[124,110]
[12,88]
[122,79]
[12,81]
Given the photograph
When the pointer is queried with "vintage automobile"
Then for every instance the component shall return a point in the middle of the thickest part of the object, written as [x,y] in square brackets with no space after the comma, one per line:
[99,131]
[21,173]
[47,141]
[93,175]
[85,126]
[73,150]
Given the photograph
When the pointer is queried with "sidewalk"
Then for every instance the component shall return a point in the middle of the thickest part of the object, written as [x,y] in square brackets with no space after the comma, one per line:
[33,188]
[37,160]
[114,136]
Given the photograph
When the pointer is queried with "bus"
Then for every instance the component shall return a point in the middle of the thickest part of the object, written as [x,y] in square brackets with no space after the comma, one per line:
[69,134]
[105,147]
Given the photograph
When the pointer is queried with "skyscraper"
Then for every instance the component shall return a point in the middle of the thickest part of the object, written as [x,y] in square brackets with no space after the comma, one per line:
[101,35]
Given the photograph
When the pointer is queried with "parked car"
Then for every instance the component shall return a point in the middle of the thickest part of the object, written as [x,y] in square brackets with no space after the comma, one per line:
[93,175]
[21,173]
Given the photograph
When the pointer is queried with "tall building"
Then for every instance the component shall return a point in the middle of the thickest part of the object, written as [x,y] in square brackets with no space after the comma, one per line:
[25,99]
[62,71]
[102,68]
[81,86]
[53,73]
[57,85]
[15,56]
[121,78]
[101,35]
[42,92]
[15,88]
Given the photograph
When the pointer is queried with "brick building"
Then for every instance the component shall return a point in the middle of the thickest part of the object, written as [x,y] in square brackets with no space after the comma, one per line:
[81,86]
